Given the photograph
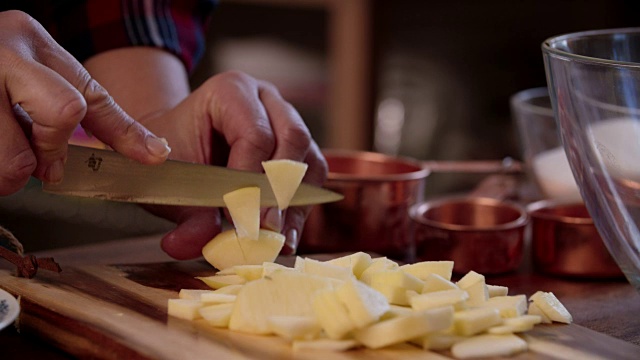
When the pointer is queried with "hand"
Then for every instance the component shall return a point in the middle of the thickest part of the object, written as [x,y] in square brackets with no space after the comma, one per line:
[46,94]
[237,121]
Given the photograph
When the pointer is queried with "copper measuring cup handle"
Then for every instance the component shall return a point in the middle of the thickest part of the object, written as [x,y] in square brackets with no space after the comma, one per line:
[506,165]
[502,185]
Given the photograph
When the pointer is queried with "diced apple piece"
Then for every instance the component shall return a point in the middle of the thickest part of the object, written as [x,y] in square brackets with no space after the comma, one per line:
[488,345]
[284,177]
[478,294]
[294,327]
[365,305]
[282,293]
[269,268]
[438,341]
[394,294]
[267,248]
[220,281]
[397,278]
[469,279]
[324,344]
[404,328]
[473,321]
[217,315]
[524,319]
[535,310]
[232,289]
[395,311]
[322,268]
[217,298]
[244,207]
[474,284]
[357,262]
[510,306]
[496,290]
[422,269]
[184,308]
[395,285]
[515,325]
[299,263]
[377,264]
[332,314]
[434,282]
[192,294]
[249,272]
[456,298]
[549,304]
[227,250]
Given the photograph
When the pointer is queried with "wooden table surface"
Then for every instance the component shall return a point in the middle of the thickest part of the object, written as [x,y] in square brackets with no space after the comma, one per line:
[610,307]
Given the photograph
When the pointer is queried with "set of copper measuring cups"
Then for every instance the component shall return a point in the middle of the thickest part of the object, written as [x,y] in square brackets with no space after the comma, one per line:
[383,211]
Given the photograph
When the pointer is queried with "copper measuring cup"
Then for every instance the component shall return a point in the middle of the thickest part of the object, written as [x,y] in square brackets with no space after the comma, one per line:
[378,191]
[565,241]
[477,233]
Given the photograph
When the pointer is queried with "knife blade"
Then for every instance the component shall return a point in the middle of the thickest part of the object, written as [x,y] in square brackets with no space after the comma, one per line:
[105,174]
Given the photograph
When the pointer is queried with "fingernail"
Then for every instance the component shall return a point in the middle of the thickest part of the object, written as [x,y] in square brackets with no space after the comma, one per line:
[291,240]
[158,146]
[55,172]
[273,219]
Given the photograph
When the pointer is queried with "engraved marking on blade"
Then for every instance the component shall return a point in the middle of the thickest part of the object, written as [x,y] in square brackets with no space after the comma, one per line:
[94,162]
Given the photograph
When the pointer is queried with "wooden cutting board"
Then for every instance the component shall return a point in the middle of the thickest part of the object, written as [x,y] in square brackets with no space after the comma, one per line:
[119,312]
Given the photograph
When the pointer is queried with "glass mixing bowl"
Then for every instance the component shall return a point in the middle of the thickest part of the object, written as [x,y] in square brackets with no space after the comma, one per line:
[594,83]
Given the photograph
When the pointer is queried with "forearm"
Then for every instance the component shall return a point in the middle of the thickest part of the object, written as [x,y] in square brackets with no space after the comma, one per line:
[144,81]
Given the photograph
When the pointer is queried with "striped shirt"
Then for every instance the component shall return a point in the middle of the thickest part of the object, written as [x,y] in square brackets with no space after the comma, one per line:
[88,27]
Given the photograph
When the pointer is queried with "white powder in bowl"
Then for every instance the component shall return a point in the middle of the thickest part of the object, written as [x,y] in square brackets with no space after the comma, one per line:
[554,175]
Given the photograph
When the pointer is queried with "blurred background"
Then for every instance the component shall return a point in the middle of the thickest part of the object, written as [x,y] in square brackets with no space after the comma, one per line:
[424,79]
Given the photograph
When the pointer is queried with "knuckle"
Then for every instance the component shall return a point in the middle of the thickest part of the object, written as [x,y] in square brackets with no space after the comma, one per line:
[73,108]
[297,137]
[20,21]
[235,76]
[261,138]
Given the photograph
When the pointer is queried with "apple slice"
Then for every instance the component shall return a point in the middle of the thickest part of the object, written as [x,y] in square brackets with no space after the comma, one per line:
[193,294]
[184,308]
[283,293]
[515,325]
[357,262]
[244,206]
[221,281]
[332,314]
[326,269]
[510,306]
[474,321]
[217,315]
[217,298]
[324,344]
[294,327]
[434,282]
[364,304]
[285,177]
[488,345]
[454,297]
[422,269]
[549,304]
[405,327]
[496,290]
[227,249]
[535,310]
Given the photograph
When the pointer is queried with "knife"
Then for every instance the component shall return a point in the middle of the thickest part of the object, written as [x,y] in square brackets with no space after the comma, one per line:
[105,174]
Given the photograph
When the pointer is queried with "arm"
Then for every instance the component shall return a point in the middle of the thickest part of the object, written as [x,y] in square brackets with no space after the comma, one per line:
[158,77]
